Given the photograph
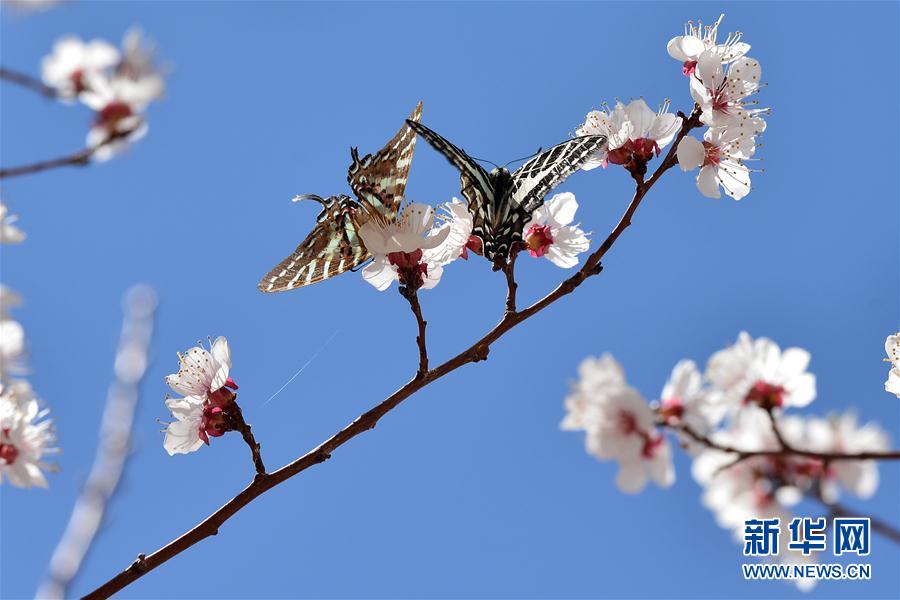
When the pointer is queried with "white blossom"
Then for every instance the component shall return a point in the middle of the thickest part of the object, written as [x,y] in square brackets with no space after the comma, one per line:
[456,220]
[619,425]
[685,402]
[550,232]
[74,65]
[698,38]
[203,378]
[841,434]
[9,233]
[12,334]
[137,77]
[892,348]
[722,92]
[398,247]
[183,434]
[25,436]
[758,372]
[634,132]
[203,372]
[117,123]
[720,158]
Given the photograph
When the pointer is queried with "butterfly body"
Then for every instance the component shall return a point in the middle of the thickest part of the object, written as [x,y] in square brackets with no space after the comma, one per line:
[334,246]
[501,202]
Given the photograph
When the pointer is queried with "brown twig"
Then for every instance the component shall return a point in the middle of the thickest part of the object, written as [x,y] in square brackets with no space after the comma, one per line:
[782,452]
[29,82]
[113,449]
[413,297]
[368,420]
[78,159]
[237,423]
[509,269]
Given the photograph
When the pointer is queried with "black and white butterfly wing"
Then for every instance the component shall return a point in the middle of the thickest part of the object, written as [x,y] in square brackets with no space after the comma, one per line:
[537,177]
[331,248]
[474,182]
[379,180]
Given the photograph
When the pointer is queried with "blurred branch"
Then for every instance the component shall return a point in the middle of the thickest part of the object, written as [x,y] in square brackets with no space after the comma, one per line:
[237,423]
[369,419]
[114,445]
[78,159]
[29,82]
[882,527]
[782,452]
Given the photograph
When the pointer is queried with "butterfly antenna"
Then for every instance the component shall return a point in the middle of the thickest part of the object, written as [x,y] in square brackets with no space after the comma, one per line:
[485,160]
[524,157]
[319,199]
[360,266]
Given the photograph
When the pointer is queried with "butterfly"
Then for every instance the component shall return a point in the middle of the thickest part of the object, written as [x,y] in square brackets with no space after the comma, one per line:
[334,246]
[501,202]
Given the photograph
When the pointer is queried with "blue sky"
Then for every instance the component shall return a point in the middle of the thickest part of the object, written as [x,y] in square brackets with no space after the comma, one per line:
[469,489]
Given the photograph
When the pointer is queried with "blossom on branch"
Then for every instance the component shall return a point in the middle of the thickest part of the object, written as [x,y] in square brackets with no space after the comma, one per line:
[74,65]
[619,425]
[722,92]
[204,380]
[25,436]
[892,347]
[457,221]
[685,402]
[720,157]
[12,335]
[758,372]
[117,122]
[636,134]
[699,38]
[551,235]
[9,233]
[405,249]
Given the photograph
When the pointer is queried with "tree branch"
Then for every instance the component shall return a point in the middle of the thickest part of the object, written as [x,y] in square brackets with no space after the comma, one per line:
[411,294]
[509,269]
[29,82]
[366,421]
[78,159]
[114,447]
[882,527]
[237,423]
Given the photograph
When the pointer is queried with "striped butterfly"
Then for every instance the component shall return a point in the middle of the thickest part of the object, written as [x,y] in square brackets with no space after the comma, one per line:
[334,246]
[501,202]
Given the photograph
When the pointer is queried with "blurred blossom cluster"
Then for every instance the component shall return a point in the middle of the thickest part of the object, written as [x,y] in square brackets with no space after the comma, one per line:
[723,418]
[118,84]
[25,435]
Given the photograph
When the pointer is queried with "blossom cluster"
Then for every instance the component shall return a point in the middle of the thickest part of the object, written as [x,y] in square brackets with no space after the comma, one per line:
[208,395]
[722,82]
[25,435]
[722,418]
[117,84]
[414,248]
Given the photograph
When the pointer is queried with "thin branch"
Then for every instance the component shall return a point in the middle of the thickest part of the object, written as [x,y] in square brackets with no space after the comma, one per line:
[776,430]
[509,269]
[237,423]
[114,447]
[27,81]
[366,421]
[78,159]
[413,297]
[783,452]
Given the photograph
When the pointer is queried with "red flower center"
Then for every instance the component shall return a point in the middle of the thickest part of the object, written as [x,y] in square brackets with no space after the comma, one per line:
[672,410]
[689,67]
[8,453]
[213,422]
[410,268]
[712,154]
[110,115]
[77,79]
[223,395]
[538,239]
[766,395]
[650,446]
